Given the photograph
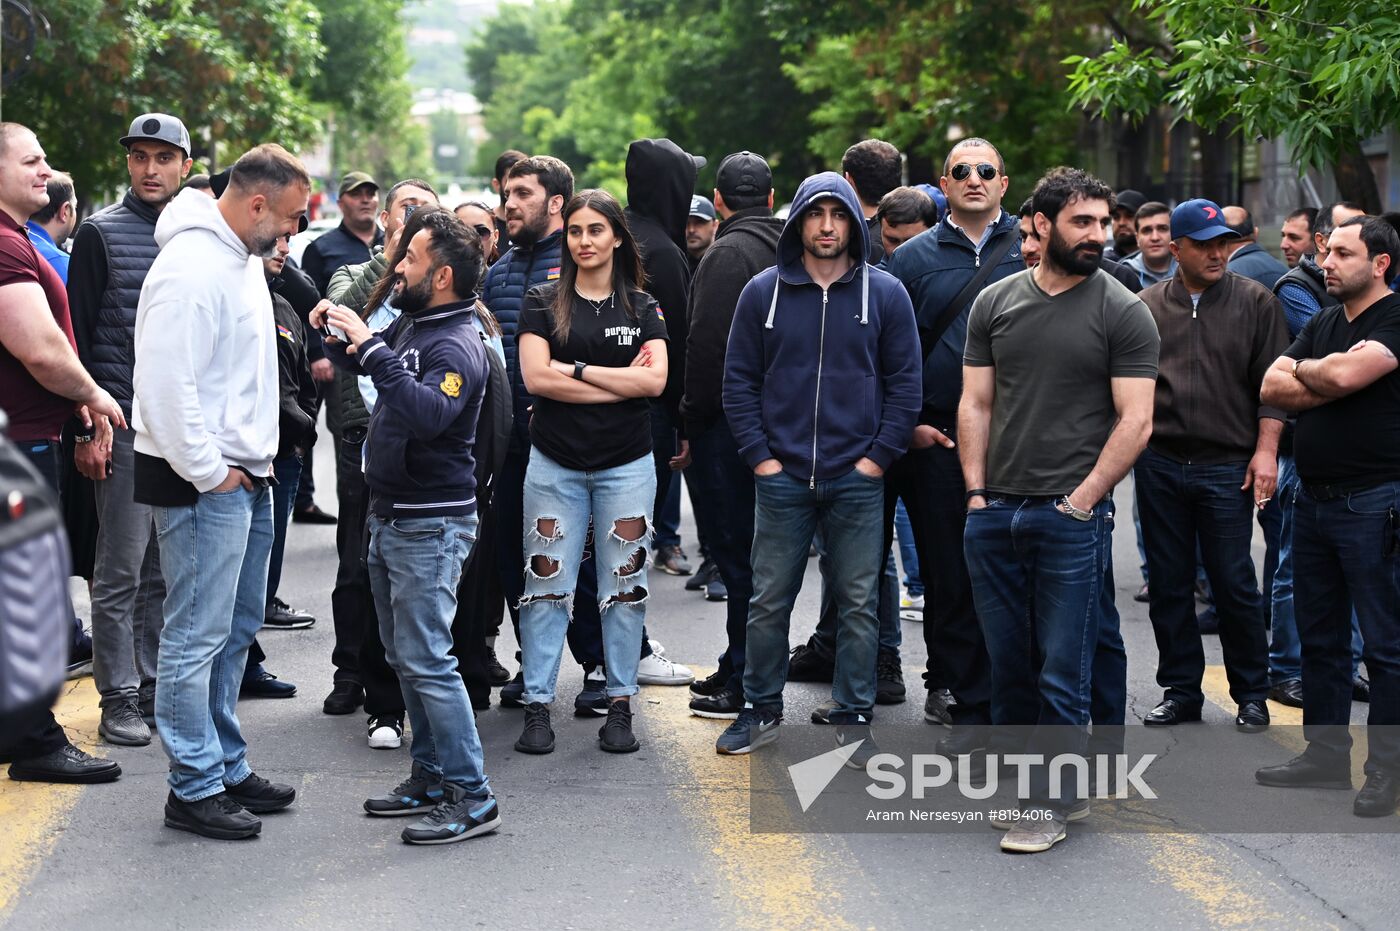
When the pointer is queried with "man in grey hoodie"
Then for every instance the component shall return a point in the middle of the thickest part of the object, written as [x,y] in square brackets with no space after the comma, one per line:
[206,414]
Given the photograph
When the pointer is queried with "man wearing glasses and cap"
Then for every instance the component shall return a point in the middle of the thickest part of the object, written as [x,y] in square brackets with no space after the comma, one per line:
[112,253]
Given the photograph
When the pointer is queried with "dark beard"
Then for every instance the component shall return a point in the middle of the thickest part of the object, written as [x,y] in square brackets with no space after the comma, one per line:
[1125,244]
[1078,261]
[414,300]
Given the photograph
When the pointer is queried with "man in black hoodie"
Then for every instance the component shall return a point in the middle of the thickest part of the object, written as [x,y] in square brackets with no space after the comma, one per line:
[746,244]
[660,180]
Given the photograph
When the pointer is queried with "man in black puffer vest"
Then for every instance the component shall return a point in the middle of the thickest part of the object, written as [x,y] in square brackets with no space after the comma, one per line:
[112,253]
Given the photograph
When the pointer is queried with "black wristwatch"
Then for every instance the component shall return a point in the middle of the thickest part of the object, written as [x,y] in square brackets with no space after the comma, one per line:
[578,370]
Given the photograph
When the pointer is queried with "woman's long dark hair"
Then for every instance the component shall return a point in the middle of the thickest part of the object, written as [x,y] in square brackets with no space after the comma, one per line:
[385,286]
[627,272]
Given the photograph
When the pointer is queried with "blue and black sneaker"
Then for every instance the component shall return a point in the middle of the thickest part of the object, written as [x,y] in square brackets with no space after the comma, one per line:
[853,730]
[417,794]
[457,817]
[753,728]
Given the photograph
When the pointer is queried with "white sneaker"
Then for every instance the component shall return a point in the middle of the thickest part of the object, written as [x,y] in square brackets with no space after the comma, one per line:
[385,733]
[910,602]
[657,648]
[658,670]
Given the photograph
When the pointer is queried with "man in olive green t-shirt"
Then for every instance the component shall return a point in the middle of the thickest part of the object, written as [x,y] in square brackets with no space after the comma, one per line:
[1058,377]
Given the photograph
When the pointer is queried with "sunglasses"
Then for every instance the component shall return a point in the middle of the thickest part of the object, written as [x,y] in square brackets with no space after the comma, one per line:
[985,170]
[483,231]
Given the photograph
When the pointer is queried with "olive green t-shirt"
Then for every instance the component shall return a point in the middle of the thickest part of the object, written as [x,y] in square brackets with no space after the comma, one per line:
[1054,358]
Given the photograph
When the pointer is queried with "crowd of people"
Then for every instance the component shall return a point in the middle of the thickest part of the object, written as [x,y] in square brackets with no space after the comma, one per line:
[519,391]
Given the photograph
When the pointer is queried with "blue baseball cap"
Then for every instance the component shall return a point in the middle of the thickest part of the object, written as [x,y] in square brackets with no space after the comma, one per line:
[701,207]
[1199,219]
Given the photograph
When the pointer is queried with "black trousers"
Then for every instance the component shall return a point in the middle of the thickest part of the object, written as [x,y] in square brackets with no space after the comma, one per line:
[480,608]
[930,482]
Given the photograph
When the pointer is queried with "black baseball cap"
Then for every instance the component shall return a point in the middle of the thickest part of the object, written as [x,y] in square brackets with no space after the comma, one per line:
[744,174]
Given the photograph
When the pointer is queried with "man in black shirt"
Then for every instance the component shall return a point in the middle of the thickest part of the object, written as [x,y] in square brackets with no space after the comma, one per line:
[1340,375]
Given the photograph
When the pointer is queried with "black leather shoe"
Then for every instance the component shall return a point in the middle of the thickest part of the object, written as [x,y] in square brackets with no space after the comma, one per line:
[1377,797]
[217,816]
[1360,689]
[1252,717]
[312,515]
[1305,772]
[259,796]
[66,764]
[344,698]
[1171,712]
[1288,692]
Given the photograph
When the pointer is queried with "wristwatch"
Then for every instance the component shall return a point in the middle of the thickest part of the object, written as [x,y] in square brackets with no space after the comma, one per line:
[578,369]
[1065,507]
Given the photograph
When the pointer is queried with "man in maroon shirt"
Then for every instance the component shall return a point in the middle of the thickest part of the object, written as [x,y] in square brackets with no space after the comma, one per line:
[42,383]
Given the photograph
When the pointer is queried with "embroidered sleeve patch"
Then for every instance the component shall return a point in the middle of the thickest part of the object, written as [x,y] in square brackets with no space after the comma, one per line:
[284,332]
[451,384]
[552,274]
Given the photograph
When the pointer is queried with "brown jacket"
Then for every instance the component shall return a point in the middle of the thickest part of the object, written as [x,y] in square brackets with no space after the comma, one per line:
[1213,361]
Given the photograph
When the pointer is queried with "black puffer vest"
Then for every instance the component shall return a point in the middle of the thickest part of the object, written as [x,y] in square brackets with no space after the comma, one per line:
[128,232]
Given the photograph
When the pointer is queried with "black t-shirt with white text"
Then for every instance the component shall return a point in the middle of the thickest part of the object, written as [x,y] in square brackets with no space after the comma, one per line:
[592,437]
[1352,441]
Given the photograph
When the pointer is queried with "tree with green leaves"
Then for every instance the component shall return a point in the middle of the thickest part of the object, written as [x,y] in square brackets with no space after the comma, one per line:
[1322,75]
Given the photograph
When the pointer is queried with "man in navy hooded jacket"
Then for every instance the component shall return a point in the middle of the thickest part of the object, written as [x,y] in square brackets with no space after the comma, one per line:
[822,389]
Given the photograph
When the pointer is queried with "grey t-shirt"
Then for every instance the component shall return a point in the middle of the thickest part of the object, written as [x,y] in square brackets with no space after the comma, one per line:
[1054,357]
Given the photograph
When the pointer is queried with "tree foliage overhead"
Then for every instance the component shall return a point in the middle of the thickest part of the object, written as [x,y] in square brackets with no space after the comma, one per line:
[239,72]
[1324,75]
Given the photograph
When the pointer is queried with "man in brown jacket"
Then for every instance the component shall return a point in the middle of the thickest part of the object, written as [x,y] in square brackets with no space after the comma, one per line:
[1212,458]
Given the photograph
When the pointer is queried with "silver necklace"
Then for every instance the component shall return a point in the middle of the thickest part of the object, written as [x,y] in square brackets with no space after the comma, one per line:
[598,304]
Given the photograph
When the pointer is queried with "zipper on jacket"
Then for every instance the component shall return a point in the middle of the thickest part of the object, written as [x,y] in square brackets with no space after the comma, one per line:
[817,401]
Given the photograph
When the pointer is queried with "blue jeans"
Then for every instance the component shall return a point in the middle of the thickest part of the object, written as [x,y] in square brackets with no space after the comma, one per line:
[214,556]
[886,604]
[725,483]
[414,566]
[287,469]
[1285,650]
[1185,505]
[565,501]
[1037,578]
[849,513]
[1344,556]
[908,552]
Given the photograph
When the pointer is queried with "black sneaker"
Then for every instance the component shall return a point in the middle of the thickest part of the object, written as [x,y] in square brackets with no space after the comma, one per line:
[889,679]
[1360,688]
[496,674]
[80,657]
[671,560]
[282,616]
[592,699]
[854,729]
[615,736]
[260,796]
[259,683]
[715,590]
[147,707]
[808,664]
[726,703]
[344,698]
[697,582]
[753,728]
[702,688]
[513,692]
[938,707]
[417,794]
[537,736]
[217,816]
[455,818]
[66,764]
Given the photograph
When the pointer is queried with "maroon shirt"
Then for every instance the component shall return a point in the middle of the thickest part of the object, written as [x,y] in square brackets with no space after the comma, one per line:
[35,412]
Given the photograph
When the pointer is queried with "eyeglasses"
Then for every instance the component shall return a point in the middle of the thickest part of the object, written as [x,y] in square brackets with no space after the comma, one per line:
[985,170]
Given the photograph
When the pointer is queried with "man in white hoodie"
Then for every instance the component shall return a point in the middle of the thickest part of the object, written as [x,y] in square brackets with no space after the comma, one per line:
[205,413]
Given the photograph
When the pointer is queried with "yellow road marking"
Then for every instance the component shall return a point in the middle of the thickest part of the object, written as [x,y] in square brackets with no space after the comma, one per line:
[779,880]
[32,813]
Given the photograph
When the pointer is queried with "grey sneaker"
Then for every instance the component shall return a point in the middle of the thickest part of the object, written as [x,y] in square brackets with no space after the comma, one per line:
[1043,829]
[121,724]
[456,817]
[419,793]
[1005,820]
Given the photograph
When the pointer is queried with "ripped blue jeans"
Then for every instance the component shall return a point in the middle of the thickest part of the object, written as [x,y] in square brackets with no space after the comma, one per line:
[559,505]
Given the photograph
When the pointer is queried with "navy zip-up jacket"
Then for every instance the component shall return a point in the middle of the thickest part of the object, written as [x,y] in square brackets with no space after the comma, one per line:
[430,371]
[520,269]
[934,266]
[819,378]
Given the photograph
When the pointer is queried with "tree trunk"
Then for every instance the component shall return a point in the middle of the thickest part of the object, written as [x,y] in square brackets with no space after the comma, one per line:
[1355,180]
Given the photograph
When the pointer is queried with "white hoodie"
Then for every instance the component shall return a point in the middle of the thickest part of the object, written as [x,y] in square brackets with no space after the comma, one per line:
[205,378]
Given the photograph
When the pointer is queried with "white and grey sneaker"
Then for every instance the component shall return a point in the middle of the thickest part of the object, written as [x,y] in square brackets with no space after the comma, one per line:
[656,669]
[456,817]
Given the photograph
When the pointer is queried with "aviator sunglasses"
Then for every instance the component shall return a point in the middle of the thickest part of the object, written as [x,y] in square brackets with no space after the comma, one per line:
[985,170]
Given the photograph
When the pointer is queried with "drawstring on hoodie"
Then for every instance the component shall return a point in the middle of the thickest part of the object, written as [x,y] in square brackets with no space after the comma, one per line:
[864,298]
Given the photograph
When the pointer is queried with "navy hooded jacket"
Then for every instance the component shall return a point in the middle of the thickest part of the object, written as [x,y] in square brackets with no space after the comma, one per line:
[819,378]
[520,269]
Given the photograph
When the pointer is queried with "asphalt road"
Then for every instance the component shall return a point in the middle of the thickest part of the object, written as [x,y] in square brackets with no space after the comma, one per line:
[659,838]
